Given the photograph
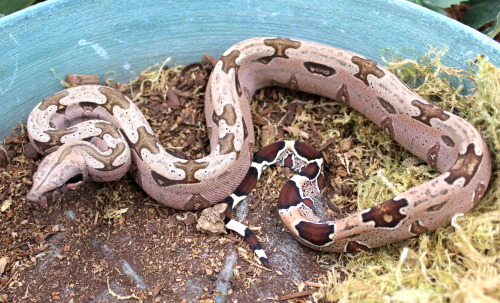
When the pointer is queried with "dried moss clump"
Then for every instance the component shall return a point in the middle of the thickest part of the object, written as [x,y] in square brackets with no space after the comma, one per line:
[458,263]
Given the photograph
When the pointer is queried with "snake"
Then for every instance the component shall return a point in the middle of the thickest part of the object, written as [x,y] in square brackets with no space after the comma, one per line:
[95,132]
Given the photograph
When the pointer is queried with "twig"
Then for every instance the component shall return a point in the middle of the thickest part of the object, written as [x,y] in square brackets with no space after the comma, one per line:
[327,143]
[233,238]
[257,265]
[9,280]
[296,295]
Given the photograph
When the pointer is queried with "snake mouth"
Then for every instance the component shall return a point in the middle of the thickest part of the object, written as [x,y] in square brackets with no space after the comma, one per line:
[74,182]
[45,198]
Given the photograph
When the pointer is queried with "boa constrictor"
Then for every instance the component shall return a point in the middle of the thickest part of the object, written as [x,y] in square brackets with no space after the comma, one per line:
[96,132]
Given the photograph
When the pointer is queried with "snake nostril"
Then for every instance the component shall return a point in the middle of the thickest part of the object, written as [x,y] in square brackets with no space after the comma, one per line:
[33,197]
[37,199]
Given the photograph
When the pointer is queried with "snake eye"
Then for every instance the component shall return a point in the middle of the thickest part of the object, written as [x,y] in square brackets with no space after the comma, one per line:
[75,181]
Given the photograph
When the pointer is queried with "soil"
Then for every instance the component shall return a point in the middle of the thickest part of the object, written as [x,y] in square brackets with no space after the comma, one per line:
[110,242]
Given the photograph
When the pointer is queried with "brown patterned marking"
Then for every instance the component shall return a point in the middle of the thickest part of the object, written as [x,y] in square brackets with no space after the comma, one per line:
[65,152]
[433,154]
[288,161]
[320,69]
[387,214]
[229,61]
[162,181]
[387,106]
[366,67]
[289,195]
[315,233]
[145,140]
[417,228]
[237,83]
[197,202]
[343,95]
[61,109]
[465,167]
[226,144]
[310,171]
[436,207]
[113,98]
[269,152]
[55,136]
[88,106]
[280,46]
[248,182]
[387,126]
[448,141]
[107,128]
[308,202]
[228,115]
[306,151]
[52,100]
[429,111]
[245,129]
[479,192]
[292,83]
[355,246]
[190,168]
[321,181]
[106,160]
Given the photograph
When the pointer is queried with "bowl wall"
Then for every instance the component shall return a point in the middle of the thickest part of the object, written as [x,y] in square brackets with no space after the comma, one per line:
[122,37]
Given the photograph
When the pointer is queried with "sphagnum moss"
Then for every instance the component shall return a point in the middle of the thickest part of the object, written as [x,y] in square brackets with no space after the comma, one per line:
[457,263]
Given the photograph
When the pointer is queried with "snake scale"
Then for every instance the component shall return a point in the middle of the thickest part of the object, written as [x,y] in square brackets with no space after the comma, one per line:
[96,132]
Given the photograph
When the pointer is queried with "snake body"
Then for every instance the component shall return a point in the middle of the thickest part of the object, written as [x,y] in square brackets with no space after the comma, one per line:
[96,132]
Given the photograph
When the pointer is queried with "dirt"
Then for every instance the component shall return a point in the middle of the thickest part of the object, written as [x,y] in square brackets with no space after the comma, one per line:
[148,252]
[110,242]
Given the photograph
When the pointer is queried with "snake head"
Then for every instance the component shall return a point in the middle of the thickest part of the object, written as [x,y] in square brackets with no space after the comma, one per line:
[58,172]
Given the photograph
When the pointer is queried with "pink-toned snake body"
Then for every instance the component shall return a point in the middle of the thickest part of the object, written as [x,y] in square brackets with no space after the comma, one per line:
[106,150]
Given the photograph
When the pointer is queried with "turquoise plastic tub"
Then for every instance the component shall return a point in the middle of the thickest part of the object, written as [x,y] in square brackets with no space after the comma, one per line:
[126,36]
